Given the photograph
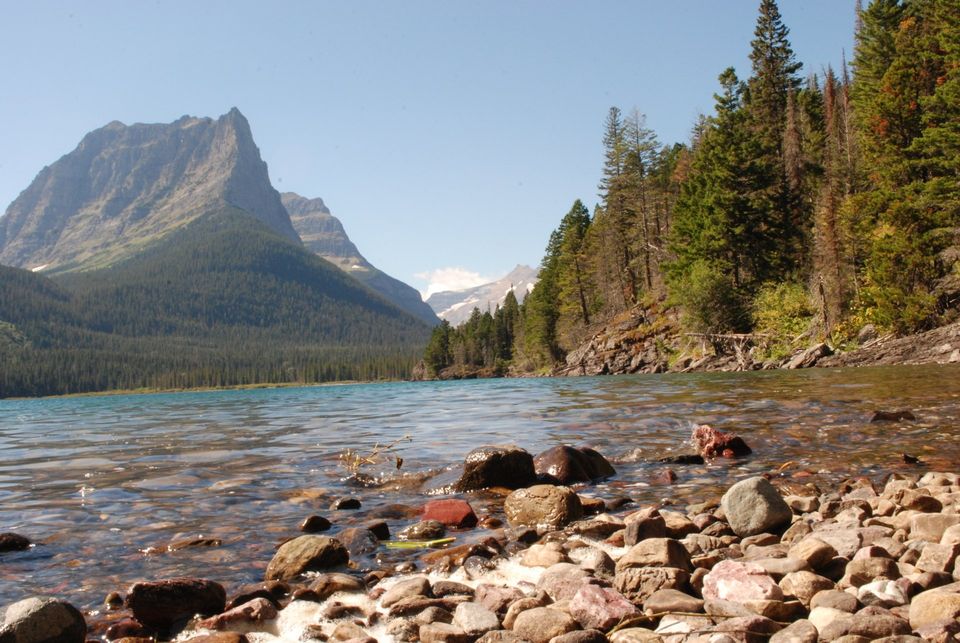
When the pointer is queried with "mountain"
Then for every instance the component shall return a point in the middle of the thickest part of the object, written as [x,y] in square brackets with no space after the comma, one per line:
[323,234]
[168,260]
[455,306]
[125,187]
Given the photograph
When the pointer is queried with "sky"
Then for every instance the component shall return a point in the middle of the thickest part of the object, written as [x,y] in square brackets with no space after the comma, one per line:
[449,136]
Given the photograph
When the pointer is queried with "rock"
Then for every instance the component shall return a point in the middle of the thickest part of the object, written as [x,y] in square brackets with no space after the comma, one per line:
[884,593]
[161,604]
[944,631]
[932,606]
[540,624]
[562,581]
[738,582]
[475,619]
[214,637]
[402,629]
[813,551]
[496,598]
[804,585]
[866,334]
[358,541]
[596,561]
[544,555]
[656,552]
[522,605]
[635,635]
[581,636]
[443,588]
[711,443]
[749,629]
[600,608]
[434,615]
[501,636]
[643,524]
[492,466]
[801,631]
[938,558]
[872,625]
[639,583]
[866,570]
[835,599]
[543,506]
[566,465]
[328,584]
[314,524]
[754,506]
[423,530]
[477,566]
[444,633]
[930,527]
[893,416]
[255,611]
[671,600]
[306,554]
[13,542]
[452,512]
[43,620]
[415,586]
[342,504]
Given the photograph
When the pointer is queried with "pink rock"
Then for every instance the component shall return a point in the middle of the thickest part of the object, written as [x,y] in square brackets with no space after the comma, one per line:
[730,580]
[711,443]
[452,512]
[600,608]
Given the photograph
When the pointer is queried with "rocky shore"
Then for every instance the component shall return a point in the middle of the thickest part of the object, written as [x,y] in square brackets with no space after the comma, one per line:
[772,559]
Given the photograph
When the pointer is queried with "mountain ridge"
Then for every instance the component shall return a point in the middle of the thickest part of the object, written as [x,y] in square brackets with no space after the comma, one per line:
[324,235]
[125,186]
[455,306]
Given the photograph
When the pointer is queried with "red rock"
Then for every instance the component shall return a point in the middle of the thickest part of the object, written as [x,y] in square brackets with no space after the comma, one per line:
[452,512]
[712,442]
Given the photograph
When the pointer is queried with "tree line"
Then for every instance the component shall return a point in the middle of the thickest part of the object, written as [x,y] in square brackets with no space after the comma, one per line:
[803,207]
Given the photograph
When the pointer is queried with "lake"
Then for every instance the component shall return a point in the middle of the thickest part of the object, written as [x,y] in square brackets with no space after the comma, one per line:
[97,481]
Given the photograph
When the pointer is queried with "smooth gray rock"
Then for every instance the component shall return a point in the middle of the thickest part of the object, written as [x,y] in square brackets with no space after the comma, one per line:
[43,620]
[754,506]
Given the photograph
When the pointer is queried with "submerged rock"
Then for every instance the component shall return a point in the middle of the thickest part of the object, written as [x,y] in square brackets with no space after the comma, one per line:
[566,465]
[496,466]
[13,542]
[712,443]
[306,553]
[162,604]
[452,512]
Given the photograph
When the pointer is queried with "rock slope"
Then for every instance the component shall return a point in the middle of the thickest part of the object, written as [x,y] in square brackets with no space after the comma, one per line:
[124,187]
[323,234]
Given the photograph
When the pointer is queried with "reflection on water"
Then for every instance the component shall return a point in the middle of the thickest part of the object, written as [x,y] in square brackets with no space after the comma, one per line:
[98,480]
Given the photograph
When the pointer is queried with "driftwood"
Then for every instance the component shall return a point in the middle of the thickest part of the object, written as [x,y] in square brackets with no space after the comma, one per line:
[737,344]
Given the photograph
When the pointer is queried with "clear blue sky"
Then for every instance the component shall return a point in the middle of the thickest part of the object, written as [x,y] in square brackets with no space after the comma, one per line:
[444,134]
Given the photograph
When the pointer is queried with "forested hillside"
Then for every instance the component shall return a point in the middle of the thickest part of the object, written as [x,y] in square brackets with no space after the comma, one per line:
[804,207]
[224,301]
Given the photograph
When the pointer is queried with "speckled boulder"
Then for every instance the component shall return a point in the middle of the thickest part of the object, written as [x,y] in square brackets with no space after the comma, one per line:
[754,506]
[43,620]
[306,554]
[543,506]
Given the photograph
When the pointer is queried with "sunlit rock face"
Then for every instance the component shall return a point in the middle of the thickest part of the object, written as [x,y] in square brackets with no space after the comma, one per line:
[126,186]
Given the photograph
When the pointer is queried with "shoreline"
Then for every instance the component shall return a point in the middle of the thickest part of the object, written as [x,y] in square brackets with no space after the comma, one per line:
[849,558]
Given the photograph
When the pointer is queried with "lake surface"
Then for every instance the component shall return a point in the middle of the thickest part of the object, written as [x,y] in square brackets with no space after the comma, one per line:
[97,481]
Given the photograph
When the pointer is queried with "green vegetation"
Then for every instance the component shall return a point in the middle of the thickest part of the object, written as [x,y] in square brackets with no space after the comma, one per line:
[224,302]
[803,208]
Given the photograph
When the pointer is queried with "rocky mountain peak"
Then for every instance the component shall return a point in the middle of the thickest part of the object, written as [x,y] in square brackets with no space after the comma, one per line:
[126,186]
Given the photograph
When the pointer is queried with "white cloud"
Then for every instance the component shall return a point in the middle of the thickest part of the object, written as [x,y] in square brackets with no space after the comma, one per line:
[452,278]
